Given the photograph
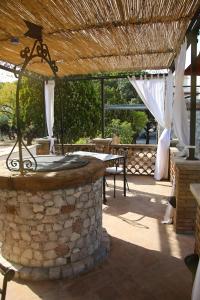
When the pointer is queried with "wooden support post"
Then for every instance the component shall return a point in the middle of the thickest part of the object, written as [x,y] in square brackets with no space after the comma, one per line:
[193,95]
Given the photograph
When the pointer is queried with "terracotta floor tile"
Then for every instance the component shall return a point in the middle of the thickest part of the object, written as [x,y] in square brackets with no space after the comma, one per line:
[146,258]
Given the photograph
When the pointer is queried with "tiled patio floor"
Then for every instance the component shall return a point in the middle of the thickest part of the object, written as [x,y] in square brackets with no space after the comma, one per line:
[146,258]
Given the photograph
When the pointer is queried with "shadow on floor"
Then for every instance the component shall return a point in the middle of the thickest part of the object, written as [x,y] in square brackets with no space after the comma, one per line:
[130,272]
[144,210]
[140,203]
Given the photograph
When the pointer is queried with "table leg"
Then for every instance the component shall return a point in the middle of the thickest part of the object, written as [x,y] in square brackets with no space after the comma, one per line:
[124,177]
[104,190]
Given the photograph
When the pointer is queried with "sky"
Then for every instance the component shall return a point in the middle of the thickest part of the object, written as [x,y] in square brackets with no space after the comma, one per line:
[7,76]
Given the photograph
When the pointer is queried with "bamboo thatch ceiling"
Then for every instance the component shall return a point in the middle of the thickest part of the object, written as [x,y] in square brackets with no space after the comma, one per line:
[89,36]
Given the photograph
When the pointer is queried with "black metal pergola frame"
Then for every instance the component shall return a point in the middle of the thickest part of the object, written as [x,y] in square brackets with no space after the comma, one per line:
[191,34]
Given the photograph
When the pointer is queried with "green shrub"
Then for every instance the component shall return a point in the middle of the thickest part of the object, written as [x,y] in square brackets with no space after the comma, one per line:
[122,129]
[81,141]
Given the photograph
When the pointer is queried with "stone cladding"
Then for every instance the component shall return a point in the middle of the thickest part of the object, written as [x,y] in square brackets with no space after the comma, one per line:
[53,234]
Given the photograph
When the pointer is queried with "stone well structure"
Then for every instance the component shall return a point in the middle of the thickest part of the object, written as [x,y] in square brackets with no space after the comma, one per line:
[51,222]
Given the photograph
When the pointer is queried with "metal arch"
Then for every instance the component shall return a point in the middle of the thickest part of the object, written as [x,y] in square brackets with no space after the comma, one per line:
[41,50]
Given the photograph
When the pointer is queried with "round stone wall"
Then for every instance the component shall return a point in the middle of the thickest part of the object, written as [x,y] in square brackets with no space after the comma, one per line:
[53,234]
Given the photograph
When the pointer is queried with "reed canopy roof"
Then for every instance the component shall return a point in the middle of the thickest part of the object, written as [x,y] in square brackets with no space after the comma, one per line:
[91,36]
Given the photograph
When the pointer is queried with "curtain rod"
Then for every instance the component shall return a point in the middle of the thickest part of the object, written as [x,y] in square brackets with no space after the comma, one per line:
[114,77]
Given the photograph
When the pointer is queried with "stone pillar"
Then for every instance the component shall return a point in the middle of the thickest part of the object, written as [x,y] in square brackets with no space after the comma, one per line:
[186,172]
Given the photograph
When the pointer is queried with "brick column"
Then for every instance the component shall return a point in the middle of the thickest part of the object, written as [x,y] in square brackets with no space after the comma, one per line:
[186,172]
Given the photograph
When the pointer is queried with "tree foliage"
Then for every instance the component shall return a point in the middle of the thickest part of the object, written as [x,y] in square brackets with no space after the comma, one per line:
[32,106]
[80,104]
[7,100]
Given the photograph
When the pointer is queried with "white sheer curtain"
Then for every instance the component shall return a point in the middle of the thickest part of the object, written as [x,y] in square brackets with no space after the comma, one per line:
[180,118]
[49,108]
[157,95]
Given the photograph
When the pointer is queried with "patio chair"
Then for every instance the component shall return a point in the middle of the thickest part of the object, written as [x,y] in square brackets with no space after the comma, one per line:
[115,170]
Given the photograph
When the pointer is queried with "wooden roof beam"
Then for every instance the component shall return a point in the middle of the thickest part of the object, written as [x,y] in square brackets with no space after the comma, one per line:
[157,20]
[127,54]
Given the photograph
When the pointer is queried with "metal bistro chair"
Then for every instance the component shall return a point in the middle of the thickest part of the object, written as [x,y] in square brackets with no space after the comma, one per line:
[115,170]
[8,276]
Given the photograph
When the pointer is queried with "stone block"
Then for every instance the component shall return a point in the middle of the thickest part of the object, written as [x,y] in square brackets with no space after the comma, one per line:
[77,195]
[24,261]
[15,235]
[39,274]
[27,254]
[58,201]
[86,223]
[68,223]
[25,273]
[50,245]
[47,196]
[69,192]
[87,188]
[39,216]
[41,237]
[49,219]
[78,268]
[62,249]
[89,262]
[75,213]
[38,208]
[80,243]
[52,236]
[51,211]
[80,205]
[66,271]
[48,227]
[66,232]
[35,246]
[48,203]
[48,263]
[36,198]
[77,226]
[60,261]
[63,239]
[12,201]
[26,211]
[50,254]
[57,227]
[10,209]
[35,263]
[37,255]
[71,200]
[54,273]
[16,250]
[84,197]
[75,236]
[66,209]
[40,227]
[25,236]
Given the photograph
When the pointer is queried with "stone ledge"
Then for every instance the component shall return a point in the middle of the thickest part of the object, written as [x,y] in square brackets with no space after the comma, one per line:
[195,189]
[64,271]
[46,181]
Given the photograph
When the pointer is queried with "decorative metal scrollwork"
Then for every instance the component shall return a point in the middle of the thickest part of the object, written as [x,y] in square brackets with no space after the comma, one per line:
[40,50]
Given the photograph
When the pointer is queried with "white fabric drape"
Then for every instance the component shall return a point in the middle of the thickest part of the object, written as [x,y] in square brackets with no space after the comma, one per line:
[157,93]
[180,118]
[49,108]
